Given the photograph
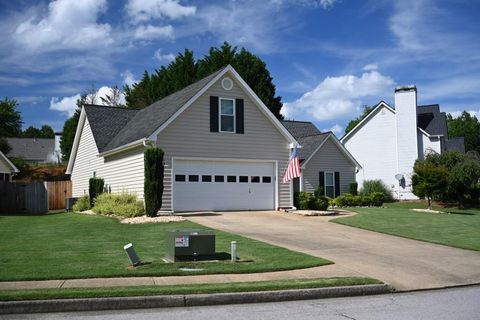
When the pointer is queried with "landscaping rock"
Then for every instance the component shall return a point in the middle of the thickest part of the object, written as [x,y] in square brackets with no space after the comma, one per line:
[158,219]
[427,210]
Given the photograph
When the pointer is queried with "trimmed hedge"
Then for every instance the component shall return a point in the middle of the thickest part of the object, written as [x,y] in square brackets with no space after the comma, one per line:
[123,204]
[353,187]
[372,186]
[375,199]
[307,201]
[82,204]
[95,187]
[153,185]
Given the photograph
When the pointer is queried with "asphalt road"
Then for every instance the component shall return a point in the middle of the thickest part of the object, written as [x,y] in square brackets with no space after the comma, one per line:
[451,304]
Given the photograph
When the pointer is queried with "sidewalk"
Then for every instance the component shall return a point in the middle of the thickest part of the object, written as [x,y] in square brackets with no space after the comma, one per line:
[329,271]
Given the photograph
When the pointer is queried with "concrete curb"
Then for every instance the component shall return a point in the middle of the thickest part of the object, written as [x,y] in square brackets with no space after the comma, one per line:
[116,303]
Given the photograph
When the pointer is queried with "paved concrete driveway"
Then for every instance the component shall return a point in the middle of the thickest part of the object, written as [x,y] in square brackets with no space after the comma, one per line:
[406,264]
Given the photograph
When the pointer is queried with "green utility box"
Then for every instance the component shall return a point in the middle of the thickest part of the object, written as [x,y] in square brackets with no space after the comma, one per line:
[190,244]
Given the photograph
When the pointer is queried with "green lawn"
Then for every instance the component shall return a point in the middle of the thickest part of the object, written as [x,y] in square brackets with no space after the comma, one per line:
[68,293]
[457,228]
[66,246]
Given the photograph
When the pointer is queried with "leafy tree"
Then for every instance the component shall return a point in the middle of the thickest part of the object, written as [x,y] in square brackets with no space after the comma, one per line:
[429,180]
[113,99]
[465,179]
[466,126]
[45,132]
[354,122]
[184,71]
[10,119]
[4,146]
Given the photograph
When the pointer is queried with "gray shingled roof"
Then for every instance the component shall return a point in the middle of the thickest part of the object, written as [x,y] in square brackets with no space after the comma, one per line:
[307,134]
[106,122]
[32,149]
[430,119]
[147,120]
[300,129]
[455,144]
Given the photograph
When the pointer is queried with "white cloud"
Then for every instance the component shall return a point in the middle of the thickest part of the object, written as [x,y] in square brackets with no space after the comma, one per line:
[327,4]
[68,24]
[473,113]
[150,32]
[163,58]
[128,78]
[336,97]
[29,99]
[66,105]
[370,67]
[145,10]
[336,129]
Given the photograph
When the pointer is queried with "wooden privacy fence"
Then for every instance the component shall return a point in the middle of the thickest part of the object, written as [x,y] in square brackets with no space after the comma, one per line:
[33,197]
[58,191]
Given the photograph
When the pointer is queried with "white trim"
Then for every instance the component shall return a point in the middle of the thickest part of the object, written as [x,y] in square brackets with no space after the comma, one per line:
[325,183]
[339,145]
[171,184]
[381,104]
[220,115]
[250,93]
[124,147]
[76,141]
[230,86]
[300,187]
[276,196]
[12,166]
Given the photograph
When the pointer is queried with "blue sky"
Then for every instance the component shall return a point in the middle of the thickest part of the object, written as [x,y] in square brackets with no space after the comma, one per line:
[328,58]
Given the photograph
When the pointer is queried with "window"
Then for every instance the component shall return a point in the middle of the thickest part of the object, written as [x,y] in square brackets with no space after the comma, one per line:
[266,179]
[227,115]
[219,178]
[231,178]
[329,185]
[255,179]
[206,178]
[193,178]
[243,179]
[180,177]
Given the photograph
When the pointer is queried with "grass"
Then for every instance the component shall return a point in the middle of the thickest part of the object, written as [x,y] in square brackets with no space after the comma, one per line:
[458,228]
[68,246]
[35,294]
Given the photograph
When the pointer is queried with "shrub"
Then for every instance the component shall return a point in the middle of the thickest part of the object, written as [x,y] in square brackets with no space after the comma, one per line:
[343,200]
[95,188]
[353,187]
[153,185]
[82,204]
[371,186]
[318,203]
[123,204]
[319,192]
[377,199]
[303,200]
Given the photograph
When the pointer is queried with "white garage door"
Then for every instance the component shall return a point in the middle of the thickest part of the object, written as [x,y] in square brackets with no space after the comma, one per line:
[223,185]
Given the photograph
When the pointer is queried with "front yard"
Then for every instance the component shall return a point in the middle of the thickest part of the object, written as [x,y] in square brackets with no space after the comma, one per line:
[456,228]
[66,246]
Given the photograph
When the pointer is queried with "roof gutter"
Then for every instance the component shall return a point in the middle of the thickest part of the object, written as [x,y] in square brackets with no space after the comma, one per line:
[137,143]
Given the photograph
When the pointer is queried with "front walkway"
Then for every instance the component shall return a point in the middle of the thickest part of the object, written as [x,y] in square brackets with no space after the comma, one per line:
[403,263]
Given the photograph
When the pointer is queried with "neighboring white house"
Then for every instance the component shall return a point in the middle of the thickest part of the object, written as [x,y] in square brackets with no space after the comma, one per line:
[388,141]
[36,150]
[7,168]
[224,149]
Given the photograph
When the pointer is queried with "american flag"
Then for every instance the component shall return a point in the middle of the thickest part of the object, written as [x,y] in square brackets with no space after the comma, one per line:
[293,169]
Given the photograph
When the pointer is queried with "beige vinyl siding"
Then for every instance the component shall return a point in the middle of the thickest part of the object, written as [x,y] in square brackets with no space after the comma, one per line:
[189,136]
[122,172]
[329,159]
[4,167]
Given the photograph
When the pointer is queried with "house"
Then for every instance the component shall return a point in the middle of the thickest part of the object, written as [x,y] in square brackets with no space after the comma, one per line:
[389,140]
[224,150]
[324,161]
[7,168]
[36,150]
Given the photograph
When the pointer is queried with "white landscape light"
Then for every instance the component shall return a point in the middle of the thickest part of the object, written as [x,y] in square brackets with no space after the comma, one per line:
[132,255]
[233,249]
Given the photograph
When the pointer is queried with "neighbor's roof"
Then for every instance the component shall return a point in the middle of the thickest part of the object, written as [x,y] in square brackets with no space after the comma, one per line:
[147,120]
[106,122]
[431,120]
[31,149]
[307,135]
[455,144]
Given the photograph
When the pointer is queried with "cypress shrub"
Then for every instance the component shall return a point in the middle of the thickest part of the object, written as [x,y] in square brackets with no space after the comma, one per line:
[353,188]
[95,187]
[153,185]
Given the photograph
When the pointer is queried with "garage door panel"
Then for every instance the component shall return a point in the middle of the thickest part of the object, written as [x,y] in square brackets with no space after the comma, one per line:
[191,194]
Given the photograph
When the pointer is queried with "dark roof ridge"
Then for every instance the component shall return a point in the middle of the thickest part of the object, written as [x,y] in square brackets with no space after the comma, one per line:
[300,121]
[116,107]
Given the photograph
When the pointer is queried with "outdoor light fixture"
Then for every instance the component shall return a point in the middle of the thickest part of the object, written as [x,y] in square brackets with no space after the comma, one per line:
[132,255]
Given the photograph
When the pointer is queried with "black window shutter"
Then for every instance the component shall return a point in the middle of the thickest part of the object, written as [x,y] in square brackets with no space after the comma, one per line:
[337,183]
[321,181]
[213,114]
[239,115]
